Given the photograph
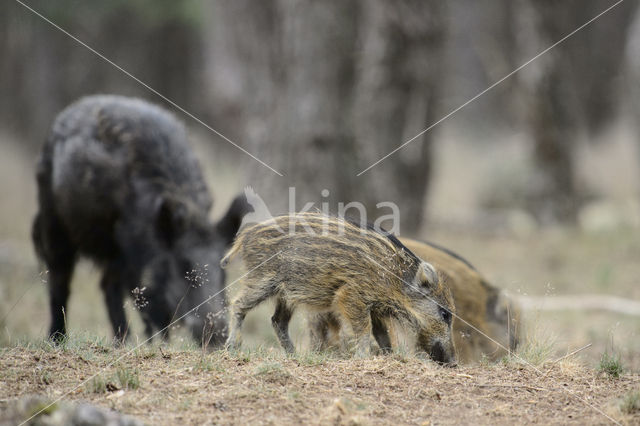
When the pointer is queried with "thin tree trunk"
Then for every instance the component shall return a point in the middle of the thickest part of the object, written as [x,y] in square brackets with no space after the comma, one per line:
[401,69]
[285,75]
[571,94]
[242,57]
[311,134]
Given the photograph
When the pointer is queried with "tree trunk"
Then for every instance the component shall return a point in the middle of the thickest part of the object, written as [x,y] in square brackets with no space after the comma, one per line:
[320,90]
[311,138]
[571,94]
[242,60]
[401,69]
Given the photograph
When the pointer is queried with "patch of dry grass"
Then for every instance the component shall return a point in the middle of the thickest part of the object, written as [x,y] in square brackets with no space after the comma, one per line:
[187,386]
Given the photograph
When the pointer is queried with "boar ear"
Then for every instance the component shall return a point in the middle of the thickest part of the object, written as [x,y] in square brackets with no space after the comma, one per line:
[228,226]
[427,277]
[171,219]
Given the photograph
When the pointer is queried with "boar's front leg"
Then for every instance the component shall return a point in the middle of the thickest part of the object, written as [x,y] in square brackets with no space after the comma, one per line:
[380,333]
[357,314]
[280,321]
[250,296]
[113,287]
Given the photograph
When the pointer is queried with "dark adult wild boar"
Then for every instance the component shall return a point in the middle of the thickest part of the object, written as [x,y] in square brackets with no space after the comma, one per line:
[327,264]
[118,183]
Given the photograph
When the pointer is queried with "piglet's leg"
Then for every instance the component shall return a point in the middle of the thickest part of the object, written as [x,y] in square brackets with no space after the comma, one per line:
[380,333]
[356,313]
[280,321]
[325,330]
[250,296]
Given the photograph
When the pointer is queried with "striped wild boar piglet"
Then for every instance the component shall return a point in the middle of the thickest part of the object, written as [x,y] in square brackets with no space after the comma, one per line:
[487,324]
[359,275]
[118,183]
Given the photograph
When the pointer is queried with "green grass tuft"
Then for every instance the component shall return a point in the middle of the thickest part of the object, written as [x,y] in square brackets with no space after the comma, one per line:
[611,365]
[269,368]
[208,363]
[42,407]
[122,378]
[128,379]
[630,403]
[97,385]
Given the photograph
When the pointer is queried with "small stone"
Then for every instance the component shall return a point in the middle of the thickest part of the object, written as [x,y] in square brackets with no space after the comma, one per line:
[88,415]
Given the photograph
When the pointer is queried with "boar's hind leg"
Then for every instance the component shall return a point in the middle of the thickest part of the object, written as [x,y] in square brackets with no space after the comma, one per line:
[53,247]
[250,297]
[280,321]
[380,333]
[113,289]
[325,331]
[357,314]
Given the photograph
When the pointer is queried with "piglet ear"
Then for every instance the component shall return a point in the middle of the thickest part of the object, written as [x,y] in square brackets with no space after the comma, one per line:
[171,220]
[228,226]
[427,276]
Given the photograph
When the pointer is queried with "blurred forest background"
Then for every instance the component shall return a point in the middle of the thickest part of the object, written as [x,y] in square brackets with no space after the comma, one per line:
[537,182]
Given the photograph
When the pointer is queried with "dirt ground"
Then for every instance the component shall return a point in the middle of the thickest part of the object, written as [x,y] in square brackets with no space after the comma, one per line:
[173,386]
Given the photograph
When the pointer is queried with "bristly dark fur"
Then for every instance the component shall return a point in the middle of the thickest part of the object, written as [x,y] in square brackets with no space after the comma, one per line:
[396,242]
[452,254]
[118,183]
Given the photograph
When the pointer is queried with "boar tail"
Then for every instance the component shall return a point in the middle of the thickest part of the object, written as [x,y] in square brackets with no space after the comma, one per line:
[230,254]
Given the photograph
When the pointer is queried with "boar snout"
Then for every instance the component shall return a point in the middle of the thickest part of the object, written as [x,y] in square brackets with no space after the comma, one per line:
[441,355]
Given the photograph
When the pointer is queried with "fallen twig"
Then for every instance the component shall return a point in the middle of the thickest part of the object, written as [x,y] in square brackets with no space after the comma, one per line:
[488,385]
[581,302]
